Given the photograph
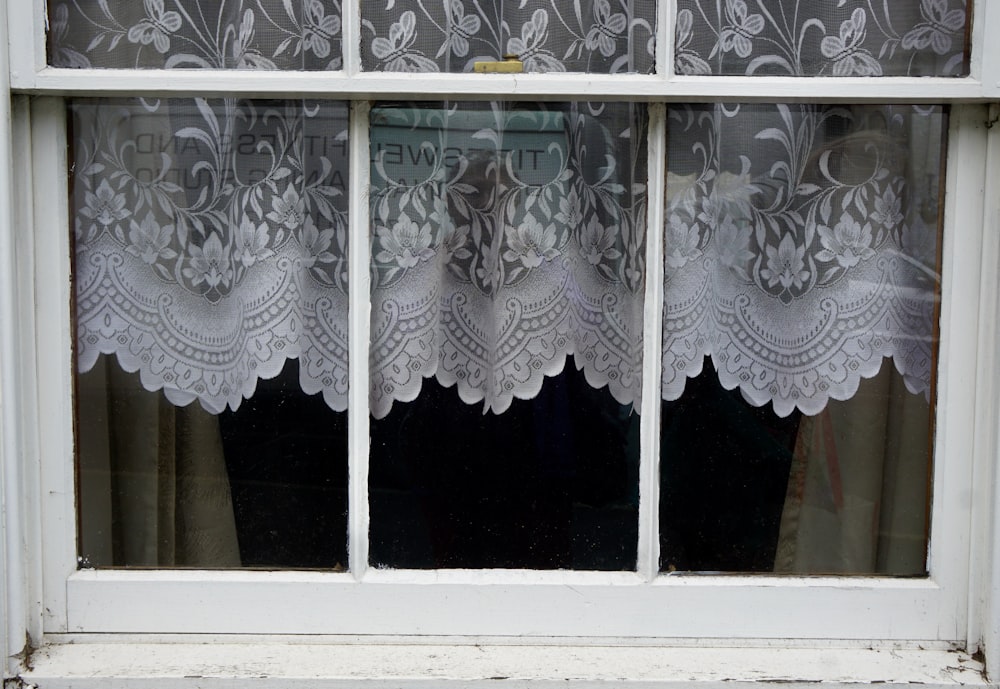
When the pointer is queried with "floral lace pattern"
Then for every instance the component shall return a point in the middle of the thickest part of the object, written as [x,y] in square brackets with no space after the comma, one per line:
[189,34]
[211,242]
[810,38]
[504,239]
[605,36]
[801,248]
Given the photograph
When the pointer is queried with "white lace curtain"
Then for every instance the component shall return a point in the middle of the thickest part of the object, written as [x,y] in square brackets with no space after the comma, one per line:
[801,241]
[737,37]
[822,37]
[801,248]
[211,244]
[505,239]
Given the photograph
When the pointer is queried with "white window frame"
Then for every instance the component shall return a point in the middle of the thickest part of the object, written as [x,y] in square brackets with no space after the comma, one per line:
[49,600]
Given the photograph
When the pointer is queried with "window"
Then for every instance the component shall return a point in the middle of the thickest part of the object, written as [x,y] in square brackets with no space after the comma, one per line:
[406,193]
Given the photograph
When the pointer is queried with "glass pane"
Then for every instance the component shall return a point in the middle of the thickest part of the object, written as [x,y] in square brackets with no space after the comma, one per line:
[801,255]
[210,248]
[823,38]
[600,36]
[507,245]
[195,34]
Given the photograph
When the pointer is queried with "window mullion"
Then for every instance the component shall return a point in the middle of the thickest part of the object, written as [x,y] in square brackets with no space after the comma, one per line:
[359,326]
[649,472]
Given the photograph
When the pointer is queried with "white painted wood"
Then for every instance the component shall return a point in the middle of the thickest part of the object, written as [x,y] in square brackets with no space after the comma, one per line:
[408,665]
[985,53]
[527,604]
[910,610]
[27,502]
[990,610]
[665,22]
[954,445]
[596,604]
[370,85]
[53,374]
[13,580]
[986,397]
[27,21]
[649,444]
[359,281]
[350,23]
[984,601]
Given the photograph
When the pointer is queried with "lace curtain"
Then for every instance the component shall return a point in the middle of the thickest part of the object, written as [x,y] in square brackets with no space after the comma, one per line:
[810,38]
[801,241]
[211,244]
[205,34]
[607,36]
[735,37]
[506,238]
[801,248]
[588,36]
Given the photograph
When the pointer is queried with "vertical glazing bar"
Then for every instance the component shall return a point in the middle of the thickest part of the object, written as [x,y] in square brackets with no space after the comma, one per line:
[649,467]
[360,326]
[665,38]
[350,22]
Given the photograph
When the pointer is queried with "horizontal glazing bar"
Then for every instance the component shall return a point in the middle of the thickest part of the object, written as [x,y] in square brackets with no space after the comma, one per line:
[257,84]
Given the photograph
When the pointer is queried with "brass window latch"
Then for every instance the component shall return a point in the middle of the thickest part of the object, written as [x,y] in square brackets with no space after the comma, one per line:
[509,65]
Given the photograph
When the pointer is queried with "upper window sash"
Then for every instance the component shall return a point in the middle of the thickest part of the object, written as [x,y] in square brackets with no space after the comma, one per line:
[30,72]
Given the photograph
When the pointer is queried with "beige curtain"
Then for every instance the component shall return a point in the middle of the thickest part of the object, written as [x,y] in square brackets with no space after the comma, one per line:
[152,478]
[857,471]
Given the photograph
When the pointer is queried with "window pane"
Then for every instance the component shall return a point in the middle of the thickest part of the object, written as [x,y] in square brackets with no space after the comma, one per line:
[600,36]
[506,239]
[823,38]
[210,247]
[195,34]
[551,483]
[801,253]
